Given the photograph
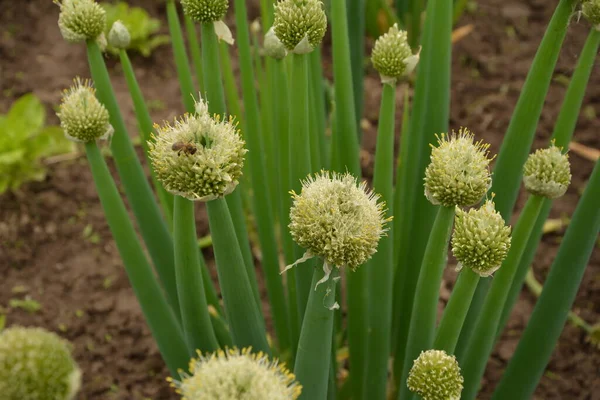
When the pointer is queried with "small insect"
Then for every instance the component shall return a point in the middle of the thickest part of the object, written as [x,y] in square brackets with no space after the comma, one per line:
[185,148]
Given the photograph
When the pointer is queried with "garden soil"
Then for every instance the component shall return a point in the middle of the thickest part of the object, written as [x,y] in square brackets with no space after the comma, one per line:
[56,248]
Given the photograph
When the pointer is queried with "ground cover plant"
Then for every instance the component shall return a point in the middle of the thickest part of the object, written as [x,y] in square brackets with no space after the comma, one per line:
[332,217]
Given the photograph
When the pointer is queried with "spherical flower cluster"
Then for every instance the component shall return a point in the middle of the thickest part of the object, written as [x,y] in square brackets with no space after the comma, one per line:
[458,174]
[481,239]
[80,20]
[591,11]
[300,24]
[392,56]
[436,376]
[36,364]
[205,10]
[547,173]
[119,36]
[240,375]
[273,46]
[199,157]
[337,219]
[82,117]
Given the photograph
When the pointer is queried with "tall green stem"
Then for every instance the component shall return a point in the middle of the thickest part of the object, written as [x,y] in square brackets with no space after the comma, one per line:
[146,128]
[261,200]
[158,314]
[194,45]
[380,269]
[314,348]
[356,19]
[243,314]
[482,340]
[547,321]
[456,311]
[181,59]
[153,228]
[563,132]
[197,327]
[415,215]
[345,141]
[519,136]
[423,317]
[216,104]
[300,164]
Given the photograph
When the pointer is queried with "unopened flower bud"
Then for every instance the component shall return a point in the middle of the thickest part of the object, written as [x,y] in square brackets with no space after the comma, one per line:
[547,173]
[458,174]
[119,36]
[436,376]
[82,117]
[337,219]
[229,374]
[591,11]
[199,157]
[205,10]
[392,56]
[300,24]
[80,20]
[273,46]
[481,239]
[36,364]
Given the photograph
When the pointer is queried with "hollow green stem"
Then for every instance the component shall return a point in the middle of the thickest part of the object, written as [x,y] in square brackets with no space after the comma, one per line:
[423,317]
[345,141]
[518,138]
[209,289]
[317,99]
[216,104]
[145,125]
[243,315]
[482,340]
[380,268]
[300,163]
[415,216]
[158,314]
[547,321]
[281,112]
[196,323]
[456,311]
[152,226]
[313,357]
[563,132]
[356,19]
[181,59]
[194,45]
[261,200]
[229,84]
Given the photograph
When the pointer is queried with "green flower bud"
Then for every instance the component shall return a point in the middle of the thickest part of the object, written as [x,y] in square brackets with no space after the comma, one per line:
[547,173]
[205,10]
[82,117]
[392,56]
[273,46]
[119,36]
[436,376]
[36,364]
[337,219]
[199,158]
[591,11]
[234,374]
[300,24]
[458,174]
[480,240]
[80,20]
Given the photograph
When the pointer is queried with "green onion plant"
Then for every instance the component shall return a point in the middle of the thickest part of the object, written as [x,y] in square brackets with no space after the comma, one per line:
[352,266]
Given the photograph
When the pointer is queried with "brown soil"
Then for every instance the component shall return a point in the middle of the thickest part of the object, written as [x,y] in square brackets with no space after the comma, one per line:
[56,248]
